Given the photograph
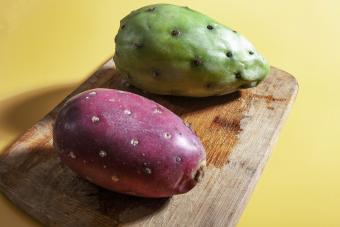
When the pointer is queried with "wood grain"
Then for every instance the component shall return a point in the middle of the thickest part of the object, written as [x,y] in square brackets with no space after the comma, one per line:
[238,131]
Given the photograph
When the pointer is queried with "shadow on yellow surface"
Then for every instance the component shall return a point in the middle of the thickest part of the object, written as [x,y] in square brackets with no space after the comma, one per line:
[20,112]
[13,212]
[17,114]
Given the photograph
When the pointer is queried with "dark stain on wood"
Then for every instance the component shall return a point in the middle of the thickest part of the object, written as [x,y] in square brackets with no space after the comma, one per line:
[231,125]
[225,127]
[268,98]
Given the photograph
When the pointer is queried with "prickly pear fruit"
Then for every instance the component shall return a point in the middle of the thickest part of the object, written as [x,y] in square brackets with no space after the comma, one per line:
[127,143]
[173,50]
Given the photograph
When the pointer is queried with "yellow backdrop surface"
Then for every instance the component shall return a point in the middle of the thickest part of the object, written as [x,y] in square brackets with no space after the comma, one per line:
[48,47]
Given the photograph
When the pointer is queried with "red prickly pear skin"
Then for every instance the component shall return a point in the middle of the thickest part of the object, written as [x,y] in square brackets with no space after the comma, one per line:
[127,143]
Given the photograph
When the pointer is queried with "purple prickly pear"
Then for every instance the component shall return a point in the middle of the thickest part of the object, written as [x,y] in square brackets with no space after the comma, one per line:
[127,143]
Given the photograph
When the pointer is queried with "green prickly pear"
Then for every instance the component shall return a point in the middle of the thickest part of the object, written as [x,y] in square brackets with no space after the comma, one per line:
[173,50]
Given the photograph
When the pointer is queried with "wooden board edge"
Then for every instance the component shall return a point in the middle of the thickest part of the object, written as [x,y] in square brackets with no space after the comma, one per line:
[251,187]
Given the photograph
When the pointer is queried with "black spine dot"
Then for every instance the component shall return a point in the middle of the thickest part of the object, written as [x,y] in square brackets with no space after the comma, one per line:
[210,27]
[251,52]
[229,54]
[123,26]
[238,75]
[234,31]
[151,9]
[138,45]
[197,62]
[155,73]
[175,32]
[210,85]
[187,8]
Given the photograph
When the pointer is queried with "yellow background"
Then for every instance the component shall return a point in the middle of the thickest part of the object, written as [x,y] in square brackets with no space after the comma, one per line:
[48,47]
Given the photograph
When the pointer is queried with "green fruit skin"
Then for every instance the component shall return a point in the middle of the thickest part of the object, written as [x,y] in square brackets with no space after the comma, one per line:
[172,50]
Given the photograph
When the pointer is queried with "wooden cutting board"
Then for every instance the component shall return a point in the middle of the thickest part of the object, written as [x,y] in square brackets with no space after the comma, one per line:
[238,131]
